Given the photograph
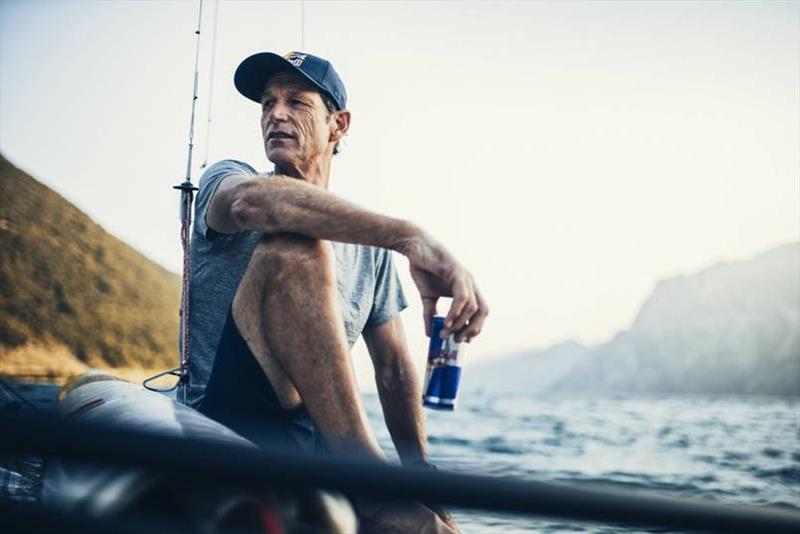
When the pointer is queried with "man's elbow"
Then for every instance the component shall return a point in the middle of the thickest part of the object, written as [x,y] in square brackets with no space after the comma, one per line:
[391,375]
[249,211]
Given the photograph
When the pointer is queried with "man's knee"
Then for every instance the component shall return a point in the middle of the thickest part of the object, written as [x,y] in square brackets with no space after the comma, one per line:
[292,257]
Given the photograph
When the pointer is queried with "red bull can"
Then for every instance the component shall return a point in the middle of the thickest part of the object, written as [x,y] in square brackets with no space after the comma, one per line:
[443,371]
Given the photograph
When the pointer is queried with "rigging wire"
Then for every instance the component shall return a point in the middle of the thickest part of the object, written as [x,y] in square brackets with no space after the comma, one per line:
[194,93]
[211,83]
[302,26]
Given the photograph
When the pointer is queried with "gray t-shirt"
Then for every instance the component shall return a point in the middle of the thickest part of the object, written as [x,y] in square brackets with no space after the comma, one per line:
[369,290]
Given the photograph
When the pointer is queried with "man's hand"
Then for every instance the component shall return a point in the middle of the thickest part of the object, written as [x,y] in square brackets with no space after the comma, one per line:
[445,517]
[436,274]
[403,519]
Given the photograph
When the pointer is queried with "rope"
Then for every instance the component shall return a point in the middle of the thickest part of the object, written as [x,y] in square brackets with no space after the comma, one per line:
[186,226]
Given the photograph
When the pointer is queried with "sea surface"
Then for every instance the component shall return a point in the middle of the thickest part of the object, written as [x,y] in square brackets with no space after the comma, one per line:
[732,449]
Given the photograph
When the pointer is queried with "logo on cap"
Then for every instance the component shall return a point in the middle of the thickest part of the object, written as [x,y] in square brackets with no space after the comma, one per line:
[295,58]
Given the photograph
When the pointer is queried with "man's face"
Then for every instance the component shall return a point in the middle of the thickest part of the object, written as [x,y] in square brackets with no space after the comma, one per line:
[295,123]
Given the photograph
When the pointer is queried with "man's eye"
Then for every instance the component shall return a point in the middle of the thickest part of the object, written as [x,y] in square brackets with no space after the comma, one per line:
[268,103]
[298,102]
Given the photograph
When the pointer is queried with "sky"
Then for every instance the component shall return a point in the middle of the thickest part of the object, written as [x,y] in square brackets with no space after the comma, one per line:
[570,154]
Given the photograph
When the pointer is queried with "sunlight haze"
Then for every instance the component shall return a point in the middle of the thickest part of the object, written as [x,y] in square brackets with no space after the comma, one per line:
[569,154]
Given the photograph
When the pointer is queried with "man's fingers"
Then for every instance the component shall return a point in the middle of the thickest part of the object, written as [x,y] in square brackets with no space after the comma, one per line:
[461,296]
[467,313]
[467,310]
[475,324]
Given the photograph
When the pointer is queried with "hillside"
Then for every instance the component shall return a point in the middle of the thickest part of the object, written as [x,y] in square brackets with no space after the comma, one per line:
[73,296]
[732,328]
[529,371]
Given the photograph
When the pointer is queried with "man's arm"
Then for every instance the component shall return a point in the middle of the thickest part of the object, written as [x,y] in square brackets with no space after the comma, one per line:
[282,204]
[401,397]
[398,389]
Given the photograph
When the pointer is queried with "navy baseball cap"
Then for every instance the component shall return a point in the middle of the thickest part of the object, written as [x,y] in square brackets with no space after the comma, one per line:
[253,73]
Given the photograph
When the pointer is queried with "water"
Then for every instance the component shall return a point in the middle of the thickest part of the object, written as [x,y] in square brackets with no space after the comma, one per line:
[732,449]
[21,475]
[35,397]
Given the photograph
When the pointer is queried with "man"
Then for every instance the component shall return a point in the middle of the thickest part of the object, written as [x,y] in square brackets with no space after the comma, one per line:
[286,276]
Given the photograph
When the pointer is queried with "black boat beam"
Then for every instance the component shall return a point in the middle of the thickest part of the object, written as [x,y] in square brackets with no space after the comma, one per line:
[208,462]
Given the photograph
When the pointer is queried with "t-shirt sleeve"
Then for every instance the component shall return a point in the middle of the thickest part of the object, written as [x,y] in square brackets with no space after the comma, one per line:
[389,298]
[209,182]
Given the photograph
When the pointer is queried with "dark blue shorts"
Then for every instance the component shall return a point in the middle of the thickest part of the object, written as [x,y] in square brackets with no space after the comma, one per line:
[240,396]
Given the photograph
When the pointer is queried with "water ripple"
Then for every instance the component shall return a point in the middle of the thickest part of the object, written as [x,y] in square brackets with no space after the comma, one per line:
[731,449]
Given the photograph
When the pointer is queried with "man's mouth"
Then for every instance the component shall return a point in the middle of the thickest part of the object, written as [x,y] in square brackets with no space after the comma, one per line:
[279,135]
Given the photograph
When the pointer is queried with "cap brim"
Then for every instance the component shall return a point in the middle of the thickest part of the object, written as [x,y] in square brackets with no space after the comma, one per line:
[252,74]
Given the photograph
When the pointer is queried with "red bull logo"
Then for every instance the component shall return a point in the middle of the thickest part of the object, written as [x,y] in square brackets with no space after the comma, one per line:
[443,372]
[295,58]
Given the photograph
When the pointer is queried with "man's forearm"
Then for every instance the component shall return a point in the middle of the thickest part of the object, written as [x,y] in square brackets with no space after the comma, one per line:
[400,395]
[280,204]
[398,388]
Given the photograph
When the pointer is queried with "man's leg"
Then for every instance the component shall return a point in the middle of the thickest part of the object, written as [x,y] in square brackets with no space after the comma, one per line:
[287,310]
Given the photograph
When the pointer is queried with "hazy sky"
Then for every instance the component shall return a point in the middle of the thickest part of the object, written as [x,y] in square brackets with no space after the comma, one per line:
[570,154]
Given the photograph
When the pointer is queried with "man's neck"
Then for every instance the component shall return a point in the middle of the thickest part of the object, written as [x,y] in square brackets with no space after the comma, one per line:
[316,172]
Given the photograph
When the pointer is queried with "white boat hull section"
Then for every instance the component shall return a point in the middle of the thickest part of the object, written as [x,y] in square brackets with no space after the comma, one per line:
[131,406]
[101,489]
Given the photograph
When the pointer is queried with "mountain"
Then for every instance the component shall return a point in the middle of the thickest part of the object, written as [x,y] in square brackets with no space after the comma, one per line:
[535,370]
[732,328]
[72,295]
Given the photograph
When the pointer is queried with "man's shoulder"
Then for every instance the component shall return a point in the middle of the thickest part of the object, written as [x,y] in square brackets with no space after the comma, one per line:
[212,177]
[226,167]
[230,162]
[223,168]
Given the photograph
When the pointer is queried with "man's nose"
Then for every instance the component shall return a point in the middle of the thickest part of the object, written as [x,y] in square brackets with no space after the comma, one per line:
[278,112]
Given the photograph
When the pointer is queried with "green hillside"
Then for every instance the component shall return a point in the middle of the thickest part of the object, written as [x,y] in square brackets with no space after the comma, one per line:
[71,295]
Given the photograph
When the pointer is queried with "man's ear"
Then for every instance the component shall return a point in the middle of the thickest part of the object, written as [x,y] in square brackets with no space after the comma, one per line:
[341,123]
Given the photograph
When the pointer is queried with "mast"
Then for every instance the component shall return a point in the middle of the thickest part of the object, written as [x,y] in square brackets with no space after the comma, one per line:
[187,190]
